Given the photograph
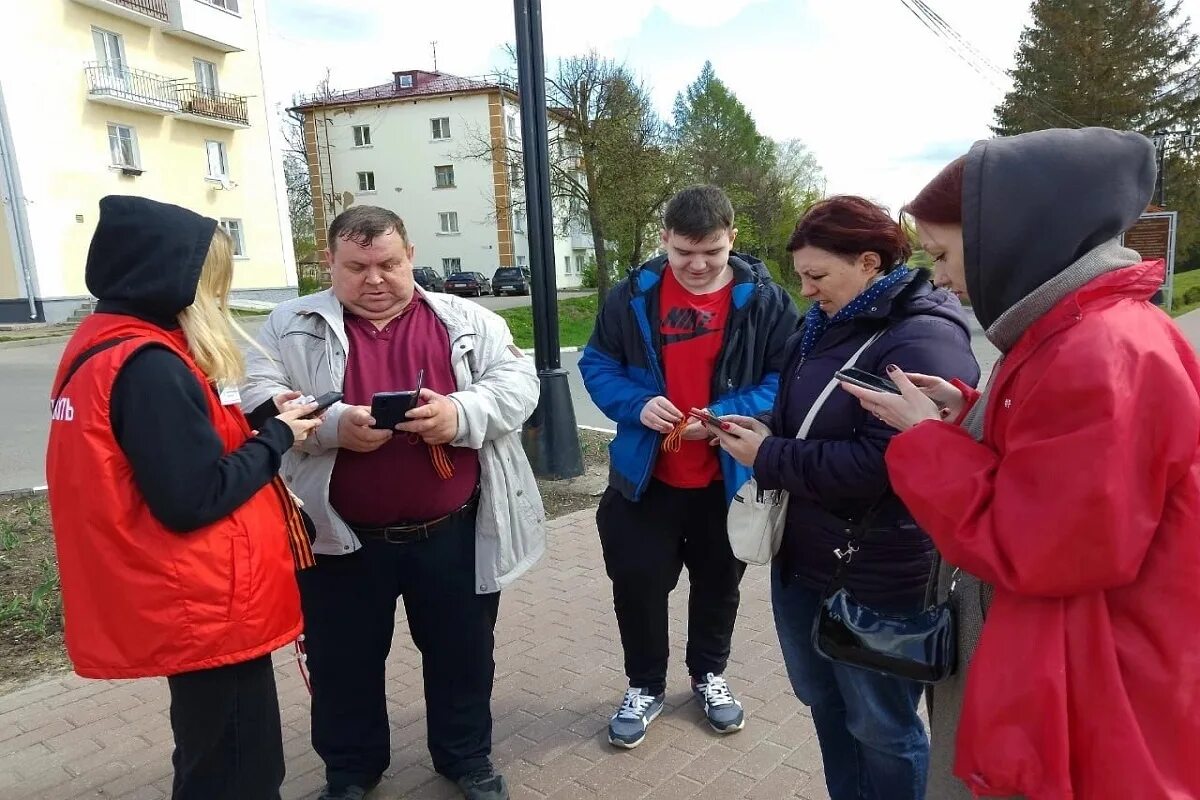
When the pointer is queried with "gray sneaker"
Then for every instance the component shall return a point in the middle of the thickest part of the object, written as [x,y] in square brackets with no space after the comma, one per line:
[627,728]
[724,712]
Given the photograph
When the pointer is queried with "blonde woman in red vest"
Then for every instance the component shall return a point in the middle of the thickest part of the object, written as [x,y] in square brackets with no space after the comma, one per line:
[177,542]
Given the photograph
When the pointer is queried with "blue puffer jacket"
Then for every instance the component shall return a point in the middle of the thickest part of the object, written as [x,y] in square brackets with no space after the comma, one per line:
[837,473]
[622,364]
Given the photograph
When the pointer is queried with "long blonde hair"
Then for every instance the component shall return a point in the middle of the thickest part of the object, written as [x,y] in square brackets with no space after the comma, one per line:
[207,322]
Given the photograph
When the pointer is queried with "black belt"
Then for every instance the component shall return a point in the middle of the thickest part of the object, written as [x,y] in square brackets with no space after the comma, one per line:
[409,532]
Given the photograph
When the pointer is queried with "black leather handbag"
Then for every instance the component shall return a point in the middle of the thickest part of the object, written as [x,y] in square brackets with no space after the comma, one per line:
[921,647]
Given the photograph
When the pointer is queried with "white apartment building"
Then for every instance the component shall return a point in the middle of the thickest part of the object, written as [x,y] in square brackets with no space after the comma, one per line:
[158,98]
[433,148]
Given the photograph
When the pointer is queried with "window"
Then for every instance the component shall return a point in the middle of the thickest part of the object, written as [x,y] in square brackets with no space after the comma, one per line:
[441,127]
[519,221]
[122,145]
[448,221]
[362,135]
[511,125]
[234,228]
[218,162]
[228,5]
[522,261]
[206,77]
[451,265]
[406,81]
[366,181]
[110,48]
[514,175]
[579,264]
[566,265]
[444,176]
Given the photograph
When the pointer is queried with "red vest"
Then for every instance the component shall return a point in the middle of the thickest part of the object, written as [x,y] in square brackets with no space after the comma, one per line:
[140,600]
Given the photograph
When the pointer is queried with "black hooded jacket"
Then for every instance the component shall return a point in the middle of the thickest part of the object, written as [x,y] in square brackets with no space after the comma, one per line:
[145,261]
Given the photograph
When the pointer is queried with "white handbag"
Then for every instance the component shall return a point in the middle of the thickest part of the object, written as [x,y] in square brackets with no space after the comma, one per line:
[756,516]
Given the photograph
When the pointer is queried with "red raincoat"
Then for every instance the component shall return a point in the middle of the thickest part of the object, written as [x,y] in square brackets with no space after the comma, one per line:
[1082,507]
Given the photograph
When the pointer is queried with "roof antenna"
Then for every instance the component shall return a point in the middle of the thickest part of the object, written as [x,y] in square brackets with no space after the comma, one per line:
[434,55]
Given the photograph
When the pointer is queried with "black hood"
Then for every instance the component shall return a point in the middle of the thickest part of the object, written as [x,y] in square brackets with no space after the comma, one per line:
[1036,203]
[145,257]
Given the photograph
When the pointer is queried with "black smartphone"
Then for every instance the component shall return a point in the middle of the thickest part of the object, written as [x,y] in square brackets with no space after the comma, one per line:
[323,402]
[705,417]
[389,408]
[867,380]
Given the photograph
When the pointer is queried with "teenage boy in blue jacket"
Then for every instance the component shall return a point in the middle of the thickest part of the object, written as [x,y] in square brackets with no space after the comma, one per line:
[700,327]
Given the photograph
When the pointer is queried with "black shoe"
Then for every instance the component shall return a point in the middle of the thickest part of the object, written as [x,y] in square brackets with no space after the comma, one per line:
[483,784]
[351,792]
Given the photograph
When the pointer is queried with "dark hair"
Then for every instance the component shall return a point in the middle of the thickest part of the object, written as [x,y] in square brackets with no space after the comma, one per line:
[361,224]
[698,212]
[849,226]
[940,202]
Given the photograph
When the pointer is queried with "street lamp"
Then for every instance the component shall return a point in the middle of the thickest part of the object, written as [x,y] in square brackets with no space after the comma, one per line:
[550,437]
[1161,139]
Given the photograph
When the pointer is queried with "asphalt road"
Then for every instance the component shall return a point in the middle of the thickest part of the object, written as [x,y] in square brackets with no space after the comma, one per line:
[26,372]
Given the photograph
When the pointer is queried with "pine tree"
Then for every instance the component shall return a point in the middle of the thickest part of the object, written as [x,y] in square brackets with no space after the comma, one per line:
[1127,64]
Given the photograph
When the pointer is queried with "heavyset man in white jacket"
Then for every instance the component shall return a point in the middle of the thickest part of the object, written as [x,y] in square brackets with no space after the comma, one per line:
[443,511]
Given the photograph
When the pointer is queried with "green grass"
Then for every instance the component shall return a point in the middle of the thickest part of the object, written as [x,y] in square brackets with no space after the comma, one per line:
[576,318]
[1183,282]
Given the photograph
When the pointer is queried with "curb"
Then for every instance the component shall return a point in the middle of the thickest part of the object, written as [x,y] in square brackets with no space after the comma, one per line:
[17,494]
[530,351]
[33,341]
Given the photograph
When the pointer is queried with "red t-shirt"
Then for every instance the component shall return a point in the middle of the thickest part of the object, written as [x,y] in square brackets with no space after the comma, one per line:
[691,328]
[397,483]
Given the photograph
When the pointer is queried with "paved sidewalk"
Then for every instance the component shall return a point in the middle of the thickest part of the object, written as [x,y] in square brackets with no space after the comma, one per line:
[558,678]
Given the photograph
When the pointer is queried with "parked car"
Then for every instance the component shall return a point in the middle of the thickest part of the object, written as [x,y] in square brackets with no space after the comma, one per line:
[468,284]
[429,279]
[511,280]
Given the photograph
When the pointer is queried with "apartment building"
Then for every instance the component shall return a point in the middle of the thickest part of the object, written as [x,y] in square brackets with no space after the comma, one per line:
[158,98]
[438,150]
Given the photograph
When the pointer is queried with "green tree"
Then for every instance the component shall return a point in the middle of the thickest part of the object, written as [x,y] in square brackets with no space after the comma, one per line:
[1126,64]
[770,183]
[1117,63]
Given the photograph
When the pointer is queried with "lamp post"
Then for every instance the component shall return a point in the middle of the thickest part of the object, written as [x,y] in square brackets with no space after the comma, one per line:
[550,437]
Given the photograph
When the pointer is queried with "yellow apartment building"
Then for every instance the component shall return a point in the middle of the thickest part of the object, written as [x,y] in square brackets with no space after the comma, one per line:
[158,98]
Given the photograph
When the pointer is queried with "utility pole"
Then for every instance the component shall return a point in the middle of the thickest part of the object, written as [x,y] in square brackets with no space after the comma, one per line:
[550,437]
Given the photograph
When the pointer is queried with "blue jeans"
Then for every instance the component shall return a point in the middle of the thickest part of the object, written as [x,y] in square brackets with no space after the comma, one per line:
[873,744]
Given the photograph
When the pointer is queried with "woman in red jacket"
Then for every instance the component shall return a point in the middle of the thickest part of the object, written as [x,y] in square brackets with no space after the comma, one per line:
[1068,493]
[177,543]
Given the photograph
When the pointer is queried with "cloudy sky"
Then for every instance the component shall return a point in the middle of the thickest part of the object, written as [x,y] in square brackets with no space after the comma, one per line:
[879,99]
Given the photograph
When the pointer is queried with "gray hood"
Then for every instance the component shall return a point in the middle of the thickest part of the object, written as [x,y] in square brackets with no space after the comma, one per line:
[1035,204]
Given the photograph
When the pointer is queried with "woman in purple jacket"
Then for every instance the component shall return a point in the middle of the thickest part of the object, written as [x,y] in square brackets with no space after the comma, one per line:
[849,255]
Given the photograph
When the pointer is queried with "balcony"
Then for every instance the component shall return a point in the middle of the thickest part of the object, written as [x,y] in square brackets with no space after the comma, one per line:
[212,23]
[145,12]
[581,236]
[198,104]
[117,85]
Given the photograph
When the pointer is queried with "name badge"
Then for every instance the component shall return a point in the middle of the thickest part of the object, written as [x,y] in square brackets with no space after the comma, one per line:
[230,396]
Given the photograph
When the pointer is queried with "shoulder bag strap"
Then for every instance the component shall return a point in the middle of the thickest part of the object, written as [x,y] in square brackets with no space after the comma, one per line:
[81,359]
[833,383]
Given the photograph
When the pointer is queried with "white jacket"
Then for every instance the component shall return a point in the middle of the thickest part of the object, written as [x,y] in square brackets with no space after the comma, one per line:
[498,390]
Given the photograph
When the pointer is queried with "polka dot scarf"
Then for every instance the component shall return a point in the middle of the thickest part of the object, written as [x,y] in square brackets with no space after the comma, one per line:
[816,323]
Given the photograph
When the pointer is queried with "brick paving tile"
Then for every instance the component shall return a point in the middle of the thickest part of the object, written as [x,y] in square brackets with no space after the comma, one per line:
[558,679]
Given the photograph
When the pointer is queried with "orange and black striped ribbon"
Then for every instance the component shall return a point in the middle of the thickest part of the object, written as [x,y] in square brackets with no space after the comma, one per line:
[302,553]
[442,464]
[674,439]
[441,461]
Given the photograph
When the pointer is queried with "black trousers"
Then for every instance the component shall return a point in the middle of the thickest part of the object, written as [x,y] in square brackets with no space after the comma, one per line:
[228,743]
[646,545]
[349,612]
